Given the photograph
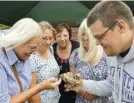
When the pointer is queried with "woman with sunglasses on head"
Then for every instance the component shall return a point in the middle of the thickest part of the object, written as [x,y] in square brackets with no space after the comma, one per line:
[89,61]
[44,66]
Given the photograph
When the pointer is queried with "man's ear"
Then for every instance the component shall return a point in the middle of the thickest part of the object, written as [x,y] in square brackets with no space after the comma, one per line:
[121,26]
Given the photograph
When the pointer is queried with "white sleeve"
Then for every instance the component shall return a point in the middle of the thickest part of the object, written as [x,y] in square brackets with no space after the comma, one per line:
[99,88]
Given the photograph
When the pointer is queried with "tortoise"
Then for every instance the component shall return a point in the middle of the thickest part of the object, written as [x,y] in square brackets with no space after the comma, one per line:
[70,78]
[73,80]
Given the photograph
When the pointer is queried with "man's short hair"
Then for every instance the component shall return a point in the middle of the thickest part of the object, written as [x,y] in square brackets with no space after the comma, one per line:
[109,11]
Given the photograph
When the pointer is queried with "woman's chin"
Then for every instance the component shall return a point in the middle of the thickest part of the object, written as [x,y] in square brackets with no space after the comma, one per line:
[62,46]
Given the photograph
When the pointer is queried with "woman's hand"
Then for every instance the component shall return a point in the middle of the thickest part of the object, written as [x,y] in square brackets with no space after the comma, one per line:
[49,84]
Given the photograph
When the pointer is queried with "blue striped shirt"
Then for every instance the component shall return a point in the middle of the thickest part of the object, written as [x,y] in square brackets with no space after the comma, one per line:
[8,83]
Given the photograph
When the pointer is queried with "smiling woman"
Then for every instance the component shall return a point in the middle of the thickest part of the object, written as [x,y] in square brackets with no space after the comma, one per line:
[20,41]
[44,66]
[62,51]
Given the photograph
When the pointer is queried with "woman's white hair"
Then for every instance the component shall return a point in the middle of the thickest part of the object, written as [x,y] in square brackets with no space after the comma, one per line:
[83,54]
[20,33]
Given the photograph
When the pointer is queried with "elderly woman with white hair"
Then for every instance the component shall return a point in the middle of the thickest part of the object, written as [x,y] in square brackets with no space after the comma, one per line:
[17,45]
[90,62]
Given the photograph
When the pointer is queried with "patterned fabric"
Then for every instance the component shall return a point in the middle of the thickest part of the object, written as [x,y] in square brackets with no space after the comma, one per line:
[98,72]
[46,69]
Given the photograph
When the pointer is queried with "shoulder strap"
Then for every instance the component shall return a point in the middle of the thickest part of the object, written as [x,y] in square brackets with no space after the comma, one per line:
[17,77]
[15,72]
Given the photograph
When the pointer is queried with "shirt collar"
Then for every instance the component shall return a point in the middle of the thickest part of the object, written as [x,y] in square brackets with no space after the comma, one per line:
[129,56]
[12,58]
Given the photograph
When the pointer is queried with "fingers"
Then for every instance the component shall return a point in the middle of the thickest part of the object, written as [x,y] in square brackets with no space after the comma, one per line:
[78,75]
[52,79]
[86,95]
[90,97]
[82,93]
[58,82]
[55,82]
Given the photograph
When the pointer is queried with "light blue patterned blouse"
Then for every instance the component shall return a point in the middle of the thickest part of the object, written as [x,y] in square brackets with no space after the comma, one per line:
[98,72]
[8,83]
[46,69]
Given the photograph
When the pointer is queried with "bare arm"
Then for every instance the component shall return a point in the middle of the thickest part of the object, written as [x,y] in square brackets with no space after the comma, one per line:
[46,84]
[36,97]
[22,97]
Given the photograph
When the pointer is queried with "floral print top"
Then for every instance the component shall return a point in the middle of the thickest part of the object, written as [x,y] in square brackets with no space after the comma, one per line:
[97,72]
[46,69]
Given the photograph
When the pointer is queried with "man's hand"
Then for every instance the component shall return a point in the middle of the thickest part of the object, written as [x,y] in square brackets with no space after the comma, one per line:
[87,95]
